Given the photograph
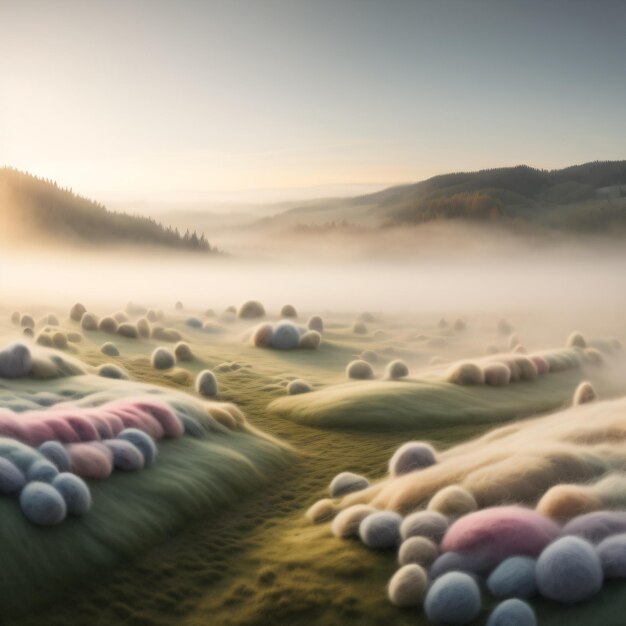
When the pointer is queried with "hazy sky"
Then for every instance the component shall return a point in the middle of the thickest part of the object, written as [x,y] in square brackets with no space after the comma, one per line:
[189,100]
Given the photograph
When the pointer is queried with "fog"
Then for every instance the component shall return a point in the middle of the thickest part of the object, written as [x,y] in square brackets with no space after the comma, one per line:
[454,269]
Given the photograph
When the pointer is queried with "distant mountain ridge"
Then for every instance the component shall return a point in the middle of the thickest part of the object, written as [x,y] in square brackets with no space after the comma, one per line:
[591,196]
[32,207]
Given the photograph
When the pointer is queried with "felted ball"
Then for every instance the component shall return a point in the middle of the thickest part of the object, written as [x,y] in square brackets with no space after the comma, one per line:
[417,550]
[182,351]
[576,340]
[298,386]
[15,361]
[584,393]
[108,324]
[110,349]
[126,455]
[569,571]
[512,612]
[90,460]
[596,526]
[162,359]
[345,483]
[59,340]
[128,329]
[288,311]
[612,554]
[513,578]
[77,312]
[466,374]
[251,310]
[396,369]
[56,454]
[453,501]
[285,336]
[322,511]
[316,323]
[89,321]
[381,530]
[499,532]
[359,370]
[194,322]
[310,340]
[143,328]
[44,339]
[453,599]
[12,480]
[74,491]
[456,562]
[407,586]
[42,470]
[541,364]
[27,321]
[359,328]
[346,523]
[563,502]
[411,456]
[110,370]
[497,374]
[42,504]
[262,336]
[192,427]
[206,384]
[428,524]
[141,440]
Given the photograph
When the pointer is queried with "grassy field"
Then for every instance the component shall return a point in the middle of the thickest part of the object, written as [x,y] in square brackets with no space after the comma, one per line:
[259,561]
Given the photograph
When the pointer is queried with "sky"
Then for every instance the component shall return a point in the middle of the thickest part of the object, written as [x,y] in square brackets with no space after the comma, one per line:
[262,100]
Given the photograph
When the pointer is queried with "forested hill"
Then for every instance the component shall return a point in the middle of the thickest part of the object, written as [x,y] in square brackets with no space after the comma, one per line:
[32,207]
[588,197]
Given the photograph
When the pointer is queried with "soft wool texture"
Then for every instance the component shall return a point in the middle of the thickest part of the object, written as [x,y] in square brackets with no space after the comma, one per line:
[89,321]
[417,550]
[182,351]
[576,340]
[90,460]
[206,384]
[298,386]
[569,571]
[110,370]
[500,532]
[56,454]
[407,586]
[288,311]
[162,359]
[381,530]
[396,370]
[285,336]
[346,523]
[12,479]
[612,554]
[262,336]
[595,527]
[310,340]
[514,578]
[128,330]
[77,312]
[428,524]
[42,470]
[453,599]
[42,504]
[74,491]
[411,456]
[316,323]
[347,482]
[453,501]
[584,393]
[108,324]
[15,361]
[110,349]
[359,370]
[142,441]
[251,309]
[512,612]
[496,374]
[322,511]
[466,374]
[126,456]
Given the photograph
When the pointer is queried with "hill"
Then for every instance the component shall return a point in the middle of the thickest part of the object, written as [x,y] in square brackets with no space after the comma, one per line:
[34,209]
[588,197]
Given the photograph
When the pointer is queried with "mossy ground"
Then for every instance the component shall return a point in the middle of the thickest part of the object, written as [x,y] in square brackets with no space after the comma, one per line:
[260,562]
